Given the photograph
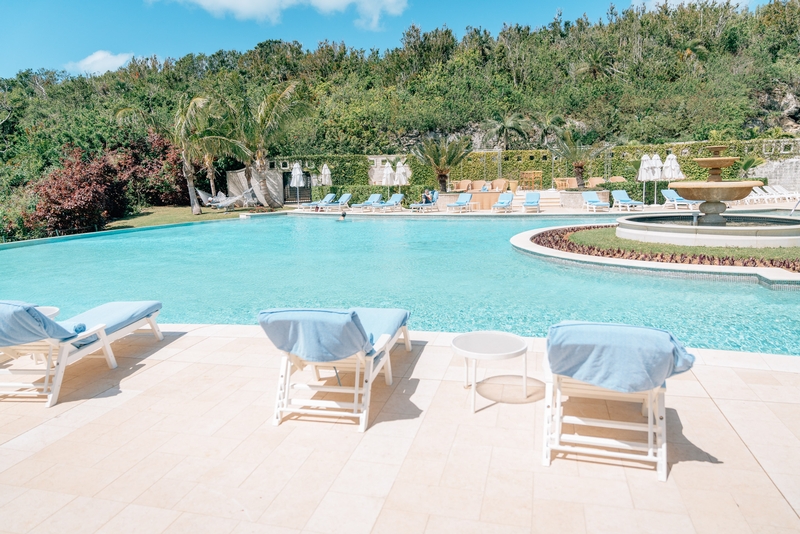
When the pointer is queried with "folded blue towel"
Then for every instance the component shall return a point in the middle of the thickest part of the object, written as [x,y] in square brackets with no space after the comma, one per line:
[615,356]
[21,322]
[79,328]
[319,335]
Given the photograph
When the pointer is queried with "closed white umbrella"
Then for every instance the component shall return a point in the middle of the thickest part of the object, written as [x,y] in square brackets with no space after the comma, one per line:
[644,174]
[401,175]
[297,179]
[325,179]
[388,177]
[672,170]
[655,168]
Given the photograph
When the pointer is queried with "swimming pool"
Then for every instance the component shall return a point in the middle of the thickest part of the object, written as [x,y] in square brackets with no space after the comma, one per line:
[454,274]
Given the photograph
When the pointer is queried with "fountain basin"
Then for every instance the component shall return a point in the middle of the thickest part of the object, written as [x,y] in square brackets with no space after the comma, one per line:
[714,191]
[755,231]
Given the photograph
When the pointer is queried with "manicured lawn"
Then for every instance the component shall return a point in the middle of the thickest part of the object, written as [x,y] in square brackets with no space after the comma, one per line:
[171,215]
[605,238]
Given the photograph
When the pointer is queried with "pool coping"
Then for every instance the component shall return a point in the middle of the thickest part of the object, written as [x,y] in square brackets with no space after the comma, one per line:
[772,278]
[56,239]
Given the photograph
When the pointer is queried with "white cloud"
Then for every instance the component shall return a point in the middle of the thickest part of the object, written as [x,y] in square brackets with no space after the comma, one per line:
[369,11]
[98,63]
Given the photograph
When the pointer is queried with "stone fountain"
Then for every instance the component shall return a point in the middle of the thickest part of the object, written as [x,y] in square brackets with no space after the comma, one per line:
[714,192]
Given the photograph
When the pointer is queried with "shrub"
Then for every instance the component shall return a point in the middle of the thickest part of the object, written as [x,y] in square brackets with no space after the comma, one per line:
[82,195]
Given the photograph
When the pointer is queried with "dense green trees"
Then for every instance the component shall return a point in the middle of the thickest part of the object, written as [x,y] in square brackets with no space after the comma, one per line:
[707,69]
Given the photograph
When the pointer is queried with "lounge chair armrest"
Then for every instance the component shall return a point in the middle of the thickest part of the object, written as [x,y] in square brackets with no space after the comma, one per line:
[90,332]
[380,345]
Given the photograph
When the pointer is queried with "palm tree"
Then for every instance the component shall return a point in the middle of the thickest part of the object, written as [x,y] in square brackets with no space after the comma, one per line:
[191,132]
[547,123]
[598,63]
[567,149]
[255,124]
[747,163]
[693,49]
[511,124]
[441,155]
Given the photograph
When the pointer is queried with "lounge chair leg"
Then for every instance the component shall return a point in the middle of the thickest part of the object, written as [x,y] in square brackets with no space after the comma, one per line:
[112,362]
[282,393]
[387,369]
[58,375]
[661,437]
[362,427]
[154,327]
[548,423]
[406,338]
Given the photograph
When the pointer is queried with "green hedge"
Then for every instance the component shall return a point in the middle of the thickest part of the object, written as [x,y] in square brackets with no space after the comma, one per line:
[354,169]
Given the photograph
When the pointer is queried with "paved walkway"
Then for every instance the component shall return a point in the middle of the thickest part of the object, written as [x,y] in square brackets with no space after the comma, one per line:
[178,439]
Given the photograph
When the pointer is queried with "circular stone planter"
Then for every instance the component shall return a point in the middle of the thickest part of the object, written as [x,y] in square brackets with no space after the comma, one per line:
[744,231]
[574,199]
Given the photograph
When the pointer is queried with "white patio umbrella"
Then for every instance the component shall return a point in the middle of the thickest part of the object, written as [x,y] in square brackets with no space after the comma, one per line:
[401,175]
[388,177]
[644,174]
[297,179]
[655,168]
[672,170]
[325,179]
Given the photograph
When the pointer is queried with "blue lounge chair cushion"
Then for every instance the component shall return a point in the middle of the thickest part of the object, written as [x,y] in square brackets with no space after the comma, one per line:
[21,322]
[319,335]
[531,199]
[619,357]
[623,198]
[115,315]
[328,198]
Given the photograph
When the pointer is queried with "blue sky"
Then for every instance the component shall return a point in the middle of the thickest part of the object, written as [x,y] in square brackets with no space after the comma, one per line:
[94,35]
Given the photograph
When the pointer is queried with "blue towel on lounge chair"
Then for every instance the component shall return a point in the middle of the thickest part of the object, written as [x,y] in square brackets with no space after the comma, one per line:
[21,322]
[319,335]
[616,356]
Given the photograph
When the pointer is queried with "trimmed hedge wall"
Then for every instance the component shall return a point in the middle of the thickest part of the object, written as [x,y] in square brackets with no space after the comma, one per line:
[345,169]
[351,171]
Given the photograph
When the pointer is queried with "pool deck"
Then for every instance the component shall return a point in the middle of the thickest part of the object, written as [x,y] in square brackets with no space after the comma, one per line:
[178,438]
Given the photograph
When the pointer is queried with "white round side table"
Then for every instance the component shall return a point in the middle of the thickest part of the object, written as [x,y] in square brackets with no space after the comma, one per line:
[490,345]
[50,311]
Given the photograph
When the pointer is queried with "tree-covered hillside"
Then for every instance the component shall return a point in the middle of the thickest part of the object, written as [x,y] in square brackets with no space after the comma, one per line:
[670,74]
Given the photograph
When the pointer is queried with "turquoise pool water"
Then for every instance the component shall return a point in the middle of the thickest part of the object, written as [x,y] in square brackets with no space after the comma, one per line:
[453,274]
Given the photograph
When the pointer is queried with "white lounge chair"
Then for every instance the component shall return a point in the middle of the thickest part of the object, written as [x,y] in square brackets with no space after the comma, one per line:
[461,203]
[531,201]
[610,362]
[25,330]
[592,202]
[359,339]
[422,207]
[338,205]
[671,197]
[503,202]
[791,195]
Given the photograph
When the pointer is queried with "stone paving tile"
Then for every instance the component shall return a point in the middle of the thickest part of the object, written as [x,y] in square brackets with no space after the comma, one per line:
[180,439]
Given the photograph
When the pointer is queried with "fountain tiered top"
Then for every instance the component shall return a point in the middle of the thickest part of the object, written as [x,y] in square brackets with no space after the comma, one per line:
[714,191]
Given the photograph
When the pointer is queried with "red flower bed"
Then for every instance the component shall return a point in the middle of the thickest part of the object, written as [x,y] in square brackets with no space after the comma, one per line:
[559,239]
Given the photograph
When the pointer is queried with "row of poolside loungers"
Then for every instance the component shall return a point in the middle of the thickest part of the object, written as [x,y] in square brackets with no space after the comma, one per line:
[375,203]
[583,359]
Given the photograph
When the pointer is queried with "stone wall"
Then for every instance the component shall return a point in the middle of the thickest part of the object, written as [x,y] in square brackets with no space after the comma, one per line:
[785,173]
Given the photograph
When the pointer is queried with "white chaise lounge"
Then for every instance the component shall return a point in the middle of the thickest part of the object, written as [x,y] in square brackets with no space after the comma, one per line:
[25,330]
[610,362]
[358,339]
